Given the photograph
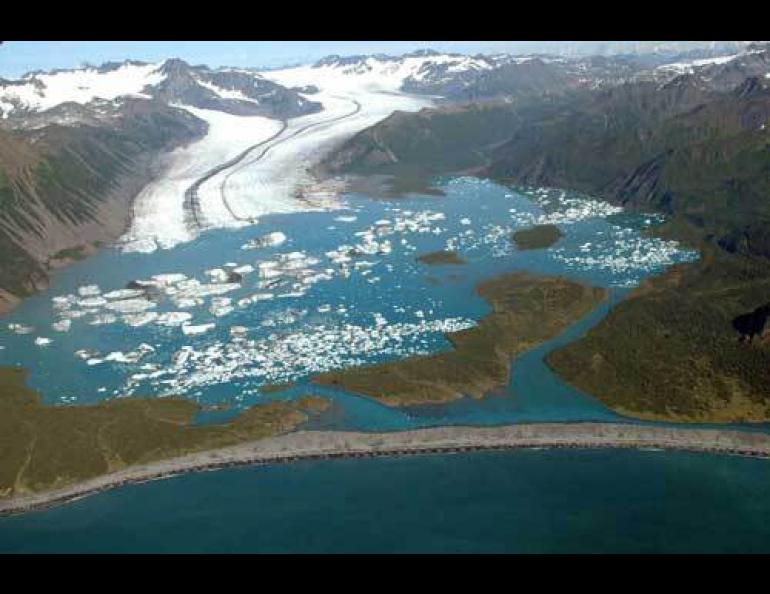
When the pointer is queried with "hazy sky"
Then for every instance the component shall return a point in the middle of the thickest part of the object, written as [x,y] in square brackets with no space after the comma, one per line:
[20,57]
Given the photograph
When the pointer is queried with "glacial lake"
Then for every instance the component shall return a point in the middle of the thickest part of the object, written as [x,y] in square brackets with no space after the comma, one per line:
[303,305]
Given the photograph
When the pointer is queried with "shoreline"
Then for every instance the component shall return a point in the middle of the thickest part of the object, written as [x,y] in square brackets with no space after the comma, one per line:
[328,445]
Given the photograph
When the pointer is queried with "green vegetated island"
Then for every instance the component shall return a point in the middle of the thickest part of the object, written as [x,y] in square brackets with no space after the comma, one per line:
[527,310]
[536,238]
[440,257]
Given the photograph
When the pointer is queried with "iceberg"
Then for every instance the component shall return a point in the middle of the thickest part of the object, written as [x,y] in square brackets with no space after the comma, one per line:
[173,318]
[141,319]
[62,325]
[89,290]
[189,329]
[123,294]
[130,305]
[269,240]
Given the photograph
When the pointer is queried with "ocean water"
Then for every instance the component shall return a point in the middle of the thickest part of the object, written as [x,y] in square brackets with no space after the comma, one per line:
[555,501]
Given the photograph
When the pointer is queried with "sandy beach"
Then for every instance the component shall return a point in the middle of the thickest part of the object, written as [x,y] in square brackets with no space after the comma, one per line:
[317,445]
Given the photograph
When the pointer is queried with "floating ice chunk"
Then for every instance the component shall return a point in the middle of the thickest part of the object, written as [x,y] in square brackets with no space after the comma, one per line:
[238,331]
[293,256]
[217,275]
[181,356]
[216,289]
[173,318]
[102,319]
[346,219]
[94,361]
[86,354]
[92,302]
[269,271]
[269,240]
[189,329]
[89,290]
[130,305]
[221,306]
[245,269]
[121,357]
[169,278]
[124,294]
[64,301]
[187,302]
[20,328]
[42,341]
[141,319]
[261,297]
[189,284]
[465,221]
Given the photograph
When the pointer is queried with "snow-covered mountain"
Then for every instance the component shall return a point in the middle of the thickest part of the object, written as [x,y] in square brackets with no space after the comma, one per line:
[426,67]
[458,77]
[237,92]
[92,93]
[722,72]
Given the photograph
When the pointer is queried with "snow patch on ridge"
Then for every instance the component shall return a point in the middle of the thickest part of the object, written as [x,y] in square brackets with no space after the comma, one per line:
[44,91]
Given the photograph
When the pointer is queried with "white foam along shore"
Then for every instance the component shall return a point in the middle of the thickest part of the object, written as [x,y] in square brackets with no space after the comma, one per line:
[267,180]
[319,445]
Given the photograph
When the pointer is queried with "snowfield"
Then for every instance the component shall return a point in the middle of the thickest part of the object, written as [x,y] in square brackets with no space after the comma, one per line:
[44,91]
[268,180]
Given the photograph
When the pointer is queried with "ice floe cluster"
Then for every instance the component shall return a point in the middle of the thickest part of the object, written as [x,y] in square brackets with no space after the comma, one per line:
[624,253]
[279,358]
[562,208]
[291,330]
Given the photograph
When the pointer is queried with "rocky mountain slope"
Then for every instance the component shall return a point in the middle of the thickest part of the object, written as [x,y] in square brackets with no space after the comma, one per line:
[63,189]
[690,145]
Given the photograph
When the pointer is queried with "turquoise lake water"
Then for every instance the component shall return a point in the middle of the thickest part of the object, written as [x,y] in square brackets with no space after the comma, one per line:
[350,314]
[523,501]
[389,306]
